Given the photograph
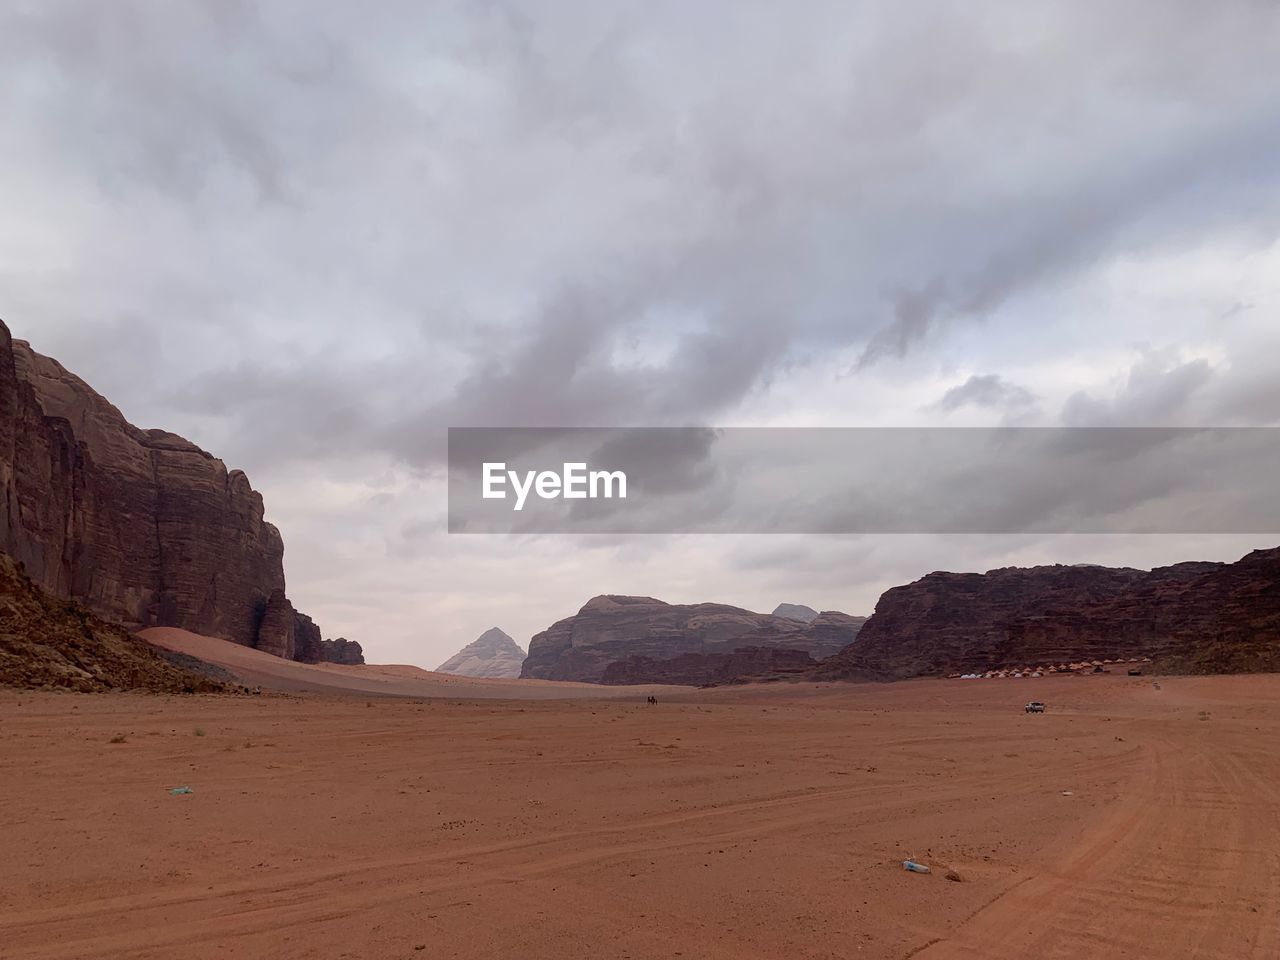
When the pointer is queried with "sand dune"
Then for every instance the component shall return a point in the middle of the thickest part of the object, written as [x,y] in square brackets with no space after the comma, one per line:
[402,680]
[746,824]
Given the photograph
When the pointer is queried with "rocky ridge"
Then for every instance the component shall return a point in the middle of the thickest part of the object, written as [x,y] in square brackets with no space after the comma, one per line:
[615,628]
[1190,617]
[142,526]
[741,665]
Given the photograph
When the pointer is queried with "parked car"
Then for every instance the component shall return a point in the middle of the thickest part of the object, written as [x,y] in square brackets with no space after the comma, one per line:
[1035,706]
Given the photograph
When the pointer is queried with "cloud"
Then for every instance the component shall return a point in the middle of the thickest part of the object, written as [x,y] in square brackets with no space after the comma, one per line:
[1158,390]
[986,390]
[310,236]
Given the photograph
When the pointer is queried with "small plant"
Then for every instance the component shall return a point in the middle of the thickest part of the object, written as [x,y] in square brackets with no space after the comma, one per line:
[199,731]
[119,738]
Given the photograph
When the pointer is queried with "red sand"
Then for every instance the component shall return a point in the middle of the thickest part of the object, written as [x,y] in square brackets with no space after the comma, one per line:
[402,680]
[750,823]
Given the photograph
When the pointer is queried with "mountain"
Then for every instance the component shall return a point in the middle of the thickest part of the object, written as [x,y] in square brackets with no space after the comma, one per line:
[50,642]
[492,654]
[741,665]
[1190,617]
[142,526]
[609,629]
[795,611]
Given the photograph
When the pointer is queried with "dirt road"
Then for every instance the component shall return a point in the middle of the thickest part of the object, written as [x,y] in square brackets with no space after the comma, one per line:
[1128,821]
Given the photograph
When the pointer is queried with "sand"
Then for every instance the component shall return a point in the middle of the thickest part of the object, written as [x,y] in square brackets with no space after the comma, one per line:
[750,823]
[393,680]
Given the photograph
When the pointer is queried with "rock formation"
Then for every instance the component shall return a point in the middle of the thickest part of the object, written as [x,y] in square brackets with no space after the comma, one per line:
[307,645]
[742,665]
[830,632]
[341,650]
[1196,617]
[50,642]
[492,654]
[613,628]
[795,611]
[277,626]
[142,526]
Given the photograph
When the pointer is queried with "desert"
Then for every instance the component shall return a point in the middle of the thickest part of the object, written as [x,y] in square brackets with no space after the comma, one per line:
[649,780]
[1136,818]
[615,480]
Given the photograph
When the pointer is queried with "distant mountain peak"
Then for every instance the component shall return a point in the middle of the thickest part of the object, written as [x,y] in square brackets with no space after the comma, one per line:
[795,611]
[492,654]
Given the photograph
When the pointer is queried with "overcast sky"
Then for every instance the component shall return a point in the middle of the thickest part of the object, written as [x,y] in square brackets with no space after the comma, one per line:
[311,236]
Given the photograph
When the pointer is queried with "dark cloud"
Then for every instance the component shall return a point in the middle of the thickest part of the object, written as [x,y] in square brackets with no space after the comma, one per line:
[986,390]
[526,187]
[1159,390]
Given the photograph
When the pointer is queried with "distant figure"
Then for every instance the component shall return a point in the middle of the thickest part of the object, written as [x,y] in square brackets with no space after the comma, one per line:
[653,699]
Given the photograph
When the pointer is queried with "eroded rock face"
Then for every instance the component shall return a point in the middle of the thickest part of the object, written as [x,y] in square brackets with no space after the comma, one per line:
[609,629]
[830,632]
[492,654]
[142,526]
[1199,617]
[47,641]
[307,645]
[342,651]
[743,665]
[276,630]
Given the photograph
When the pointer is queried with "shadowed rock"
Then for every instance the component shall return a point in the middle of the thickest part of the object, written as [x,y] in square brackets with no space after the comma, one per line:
[341,650]
[47,641]
[142,526]
[614,628]
[1194,617]
[743,665]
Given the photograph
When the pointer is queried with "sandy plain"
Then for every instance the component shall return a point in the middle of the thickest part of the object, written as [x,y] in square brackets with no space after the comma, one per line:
[760,822]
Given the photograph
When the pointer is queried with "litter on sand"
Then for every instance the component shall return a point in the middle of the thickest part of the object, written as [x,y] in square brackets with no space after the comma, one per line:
[914,867]
[178,790]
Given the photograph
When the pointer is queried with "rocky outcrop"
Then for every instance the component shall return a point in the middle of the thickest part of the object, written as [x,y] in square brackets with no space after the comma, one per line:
[614,628]
[492,654]
[276,629]
[1197,617]
[51,642]
[830,632]
[342,651]
[795,611]
[742,665]
[307,645]
[142,526]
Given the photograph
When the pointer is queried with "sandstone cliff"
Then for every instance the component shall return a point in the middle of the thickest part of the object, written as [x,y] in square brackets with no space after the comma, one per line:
[51,642]
[492,654]
[341,650]
[1199,617]
[742,665]
[142,526]
[614,628]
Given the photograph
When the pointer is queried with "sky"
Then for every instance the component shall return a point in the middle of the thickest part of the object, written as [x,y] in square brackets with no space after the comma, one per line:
[311,236]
